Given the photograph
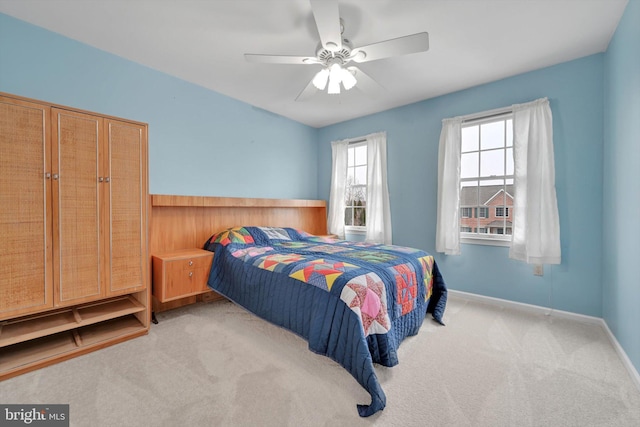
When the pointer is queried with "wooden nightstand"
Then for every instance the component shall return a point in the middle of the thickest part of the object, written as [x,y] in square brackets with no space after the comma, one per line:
[181,273]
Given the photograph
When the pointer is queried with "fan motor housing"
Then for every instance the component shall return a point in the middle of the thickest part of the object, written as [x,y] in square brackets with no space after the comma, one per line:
[341,56]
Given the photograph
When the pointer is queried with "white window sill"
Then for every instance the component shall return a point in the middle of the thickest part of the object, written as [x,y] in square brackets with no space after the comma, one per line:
[355,230]
[486,241]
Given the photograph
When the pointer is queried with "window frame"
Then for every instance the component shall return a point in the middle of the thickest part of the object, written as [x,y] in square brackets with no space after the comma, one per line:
[486,238]
[357,229]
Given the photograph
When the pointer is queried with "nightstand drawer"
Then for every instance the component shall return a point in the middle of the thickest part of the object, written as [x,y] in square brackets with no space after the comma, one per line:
[181,274]
[195,262]
[180,282]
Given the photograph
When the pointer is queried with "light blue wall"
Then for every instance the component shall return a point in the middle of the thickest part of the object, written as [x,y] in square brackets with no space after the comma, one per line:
[200,142]
[621,255]
[575,92]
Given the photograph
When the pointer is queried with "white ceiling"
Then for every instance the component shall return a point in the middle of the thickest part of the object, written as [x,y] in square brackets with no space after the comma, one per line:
[471,42]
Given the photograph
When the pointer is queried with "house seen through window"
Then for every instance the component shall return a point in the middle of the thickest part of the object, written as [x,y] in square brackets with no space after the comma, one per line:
[486,179]
[355,214]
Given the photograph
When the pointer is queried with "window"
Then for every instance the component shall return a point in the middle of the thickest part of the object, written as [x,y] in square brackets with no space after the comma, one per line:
[359,196]
[486,179]
[355,201]
[502,211]
[479,151]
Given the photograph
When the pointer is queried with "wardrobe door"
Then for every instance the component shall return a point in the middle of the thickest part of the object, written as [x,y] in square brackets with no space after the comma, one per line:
[25,223]
[127,187]
[76,203]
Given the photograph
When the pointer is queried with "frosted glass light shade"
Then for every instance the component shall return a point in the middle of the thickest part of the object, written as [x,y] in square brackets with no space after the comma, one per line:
[320,79]
[348,79]
[334,86]
[335,76]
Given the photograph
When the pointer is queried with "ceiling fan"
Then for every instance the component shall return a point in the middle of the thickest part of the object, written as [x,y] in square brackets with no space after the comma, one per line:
[334,53]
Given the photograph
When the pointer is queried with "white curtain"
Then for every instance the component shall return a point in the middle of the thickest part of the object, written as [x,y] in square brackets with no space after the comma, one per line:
[447,227]
[335,222]
[536,224]
[378,207]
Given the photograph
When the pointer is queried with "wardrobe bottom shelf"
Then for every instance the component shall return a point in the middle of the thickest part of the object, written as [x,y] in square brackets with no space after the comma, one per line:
[19,358]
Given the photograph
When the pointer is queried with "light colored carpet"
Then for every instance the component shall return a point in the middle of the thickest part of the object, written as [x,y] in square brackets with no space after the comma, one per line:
[217,365]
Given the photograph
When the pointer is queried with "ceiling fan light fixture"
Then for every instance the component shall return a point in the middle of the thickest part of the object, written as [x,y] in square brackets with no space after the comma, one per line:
[334,87]
[334,71]
[335,78]
[321,78]
[348,79]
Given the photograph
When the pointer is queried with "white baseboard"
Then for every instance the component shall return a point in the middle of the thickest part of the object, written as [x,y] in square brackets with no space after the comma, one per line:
[633,372]
[528,307]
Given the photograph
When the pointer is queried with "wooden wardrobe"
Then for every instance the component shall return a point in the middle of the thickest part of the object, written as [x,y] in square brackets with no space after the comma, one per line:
[74,264]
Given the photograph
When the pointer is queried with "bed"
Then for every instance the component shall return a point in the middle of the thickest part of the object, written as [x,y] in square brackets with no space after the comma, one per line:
[352,302]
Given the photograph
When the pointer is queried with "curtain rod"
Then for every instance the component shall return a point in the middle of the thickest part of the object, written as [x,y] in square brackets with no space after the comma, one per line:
[486,114]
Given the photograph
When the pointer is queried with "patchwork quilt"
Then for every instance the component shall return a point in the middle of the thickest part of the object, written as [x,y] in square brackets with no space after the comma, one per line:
[353,302]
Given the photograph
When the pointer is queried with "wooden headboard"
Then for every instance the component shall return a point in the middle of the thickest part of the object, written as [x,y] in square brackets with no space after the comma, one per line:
[181,222]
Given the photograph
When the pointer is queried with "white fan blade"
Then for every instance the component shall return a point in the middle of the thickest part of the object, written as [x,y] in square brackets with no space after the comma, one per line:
[414,43]
[365,83]
[280,59]
[327,16]
[307,92]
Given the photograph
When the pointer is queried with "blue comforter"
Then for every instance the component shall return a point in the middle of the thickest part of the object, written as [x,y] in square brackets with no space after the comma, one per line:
[353,302]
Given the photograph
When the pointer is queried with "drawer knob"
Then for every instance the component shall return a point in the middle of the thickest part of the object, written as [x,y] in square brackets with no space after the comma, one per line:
[190,273]
[190,263]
